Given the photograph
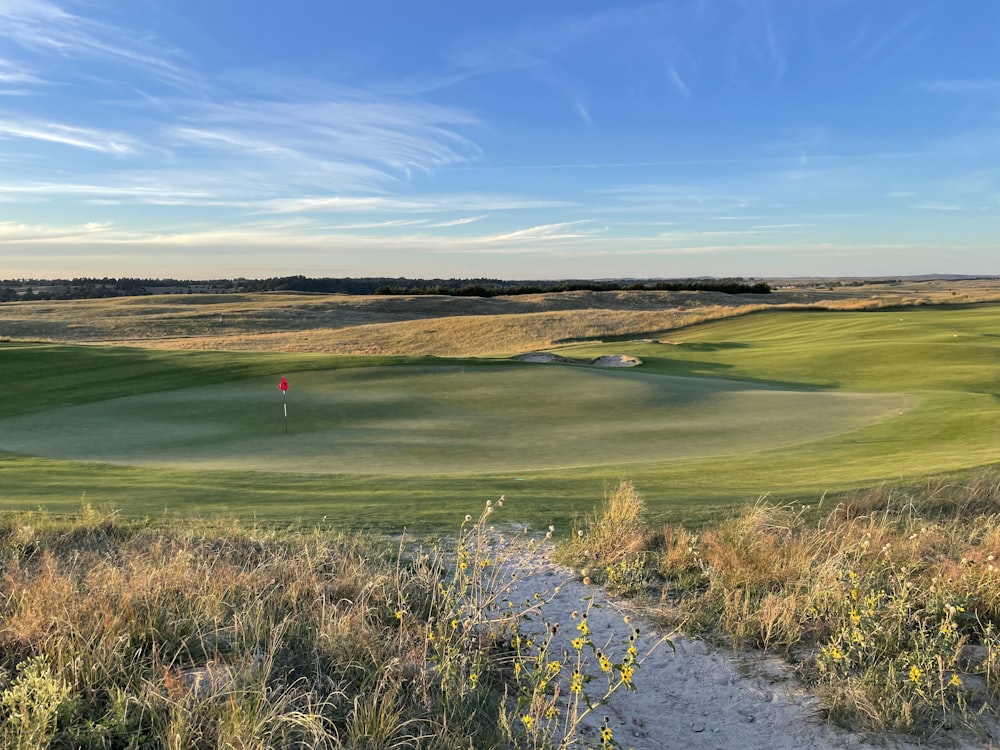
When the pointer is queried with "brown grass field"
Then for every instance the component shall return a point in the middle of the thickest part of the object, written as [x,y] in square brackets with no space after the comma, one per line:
[435,325]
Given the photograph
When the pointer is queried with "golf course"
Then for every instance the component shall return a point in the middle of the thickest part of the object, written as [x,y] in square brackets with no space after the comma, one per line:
[198,557]
[791,403]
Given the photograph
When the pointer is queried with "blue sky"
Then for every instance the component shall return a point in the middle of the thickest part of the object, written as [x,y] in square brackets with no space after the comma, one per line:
[758,138]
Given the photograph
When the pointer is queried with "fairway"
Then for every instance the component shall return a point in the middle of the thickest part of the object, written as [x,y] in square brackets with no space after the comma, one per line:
[789,404]
[420,420]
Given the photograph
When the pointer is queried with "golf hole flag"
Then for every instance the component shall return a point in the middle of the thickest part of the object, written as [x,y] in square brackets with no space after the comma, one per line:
[283,385]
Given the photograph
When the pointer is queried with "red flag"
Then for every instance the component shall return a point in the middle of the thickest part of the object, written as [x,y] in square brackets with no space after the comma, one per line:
[283,385]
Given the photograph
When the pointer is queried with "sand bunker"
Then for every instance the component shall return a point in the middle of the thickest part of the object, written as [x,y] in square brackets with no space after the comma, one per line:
[608,360]
[617,360]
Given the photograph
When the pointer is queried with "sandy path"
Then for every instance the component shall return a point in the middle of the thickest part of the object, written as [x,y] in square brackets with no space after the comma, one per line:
[698,697]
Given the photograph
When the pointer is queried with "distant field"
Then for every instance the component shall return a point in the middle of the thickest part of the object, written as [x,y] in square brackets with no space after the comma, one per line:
[796,403]
[443,326]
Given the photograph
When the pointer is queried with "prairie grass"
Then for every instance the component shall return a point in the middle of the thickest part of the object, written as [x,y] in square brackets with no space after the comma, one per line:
[342,323]
[612,536]
[129,634]
[438,325]
[888,603]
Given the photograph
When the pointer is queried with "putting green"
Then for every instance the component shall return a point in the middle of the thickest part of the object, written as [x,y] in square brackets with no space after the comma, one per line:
[414,420]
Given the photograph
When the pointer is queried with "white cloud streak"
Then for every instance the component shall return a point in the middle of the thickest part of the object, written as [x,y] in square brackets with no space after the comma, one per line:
[458,222]
[678,82]
[68,135]
[43,27]
[889,38]
[11,73]
[563,230]
[283,136]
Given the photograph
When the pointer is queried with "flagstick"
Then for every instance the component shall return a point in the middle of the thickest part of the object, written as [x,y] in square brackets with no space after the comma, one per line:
[284,400]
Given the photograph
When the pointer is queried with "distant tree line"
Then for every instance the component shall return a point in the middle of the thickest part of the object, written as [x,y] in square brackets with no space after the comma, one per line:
[95,288]
[483,287]
[12,290]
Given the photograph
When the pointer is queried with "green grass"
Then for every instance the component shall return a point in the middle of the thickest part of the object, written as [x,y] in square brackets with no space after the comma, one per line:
[793,404]
[443,419]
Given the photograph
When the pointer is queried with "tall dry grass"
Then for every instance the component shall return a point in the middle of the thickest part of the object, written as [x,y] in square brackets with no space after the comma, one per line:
[118,634]
[460,335]
[126,634]
[425,324]
[888,603]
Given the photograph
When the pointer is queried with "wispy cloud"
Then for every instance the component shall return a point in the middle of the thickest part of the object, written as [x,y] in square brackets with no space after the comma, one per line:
[68,135]
[389,224]
[939,207]
[43,27]
[678,236]
[458,222]
[628,37]
[290,134]
[338,204]
[676,198]
[11,73]
[148,190]
[675,78]
[345,140]
[19,232]
[774,49]
[559,231]
[888,39]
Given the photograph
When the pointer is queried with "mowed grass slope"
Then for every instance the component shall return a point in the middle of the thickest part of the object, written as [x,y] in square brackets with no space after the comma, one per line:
[443,419]
[856,398]
[947,358]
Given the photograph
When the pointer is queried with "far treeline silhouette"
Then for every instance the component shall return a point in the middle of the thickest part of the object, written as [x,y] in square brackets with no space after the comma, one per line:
[86,288]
